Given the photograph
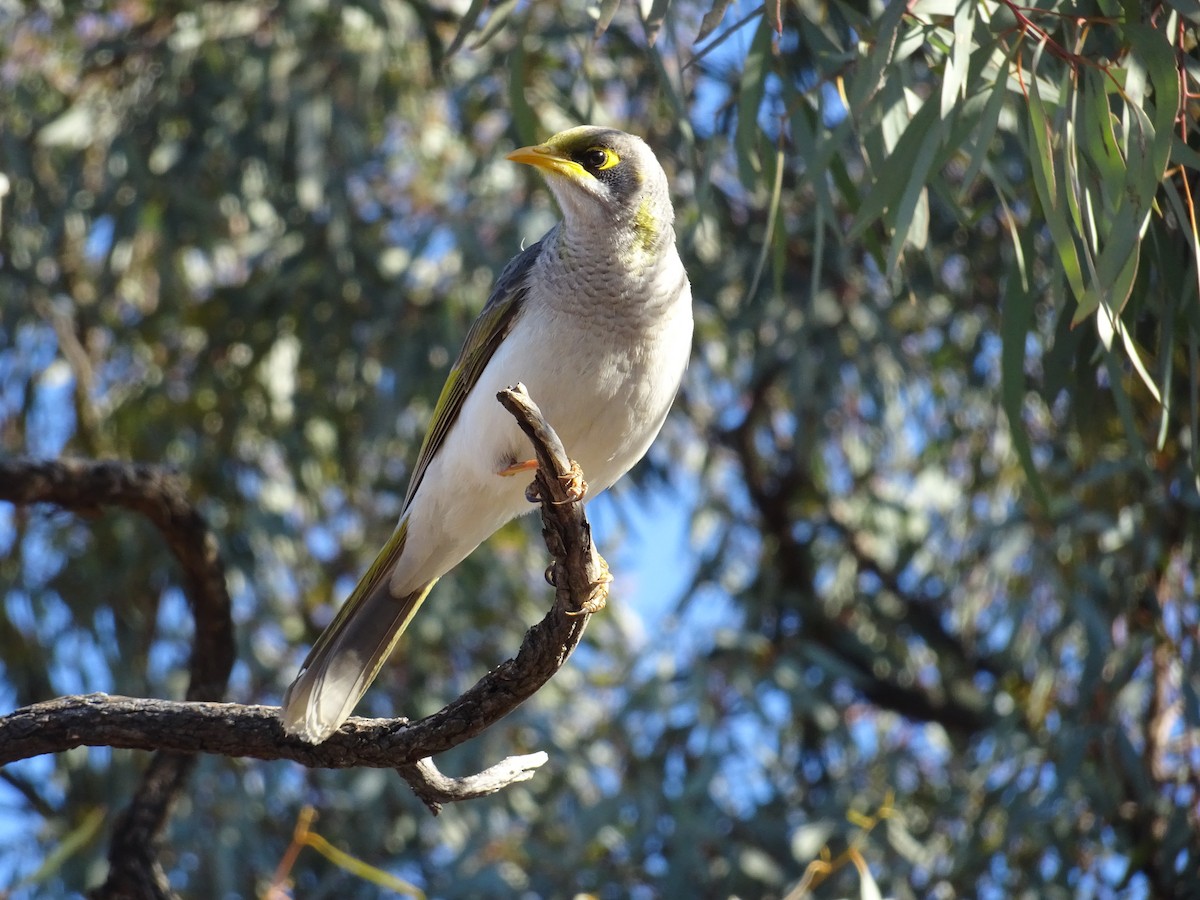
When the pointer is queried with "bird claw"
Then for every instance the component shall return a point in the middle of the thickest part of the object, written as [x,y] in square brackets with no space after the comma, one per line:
[598,596]
[575,485]
[572,481]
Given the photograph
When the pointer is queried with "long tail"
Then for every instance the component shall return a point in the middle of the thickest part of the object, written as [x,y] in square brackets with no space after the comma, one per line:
[349,654]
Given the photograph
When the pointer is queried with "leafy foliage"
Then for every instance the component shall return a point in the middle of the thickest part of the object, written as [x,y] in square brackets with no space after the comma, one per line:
[937,447]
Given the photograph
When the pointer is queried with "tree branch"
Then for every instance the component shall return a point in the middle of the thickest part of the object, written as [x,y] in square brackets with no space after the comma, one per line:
[162,498]
[434,788]
[195,726]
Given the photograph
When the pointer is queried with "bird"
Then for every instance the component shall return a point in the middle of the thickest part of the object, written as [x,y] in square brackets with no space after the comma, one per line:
[595,319]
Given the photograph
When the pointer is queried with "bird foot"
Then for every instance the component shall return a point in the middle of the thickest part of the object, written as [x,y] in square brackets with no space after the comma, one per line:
[573,481]
[598,597]
[576,486]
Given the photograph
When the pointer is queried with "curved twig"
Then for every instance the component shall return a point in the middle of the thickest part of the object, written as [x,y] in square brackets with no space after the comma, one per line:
[434,788]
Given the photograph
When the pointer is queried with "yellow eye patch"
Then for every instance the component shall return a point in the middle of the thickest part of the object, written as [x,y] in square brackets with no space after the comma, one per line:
[601,158]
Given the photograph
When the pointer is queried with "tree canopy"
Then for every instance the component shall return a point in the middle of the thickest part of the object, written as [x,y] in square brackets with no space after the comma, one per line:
[931,628]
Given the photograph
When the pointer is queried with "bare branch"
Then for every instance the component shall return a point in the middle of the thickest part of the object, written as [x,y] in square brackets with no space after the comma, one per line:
[161,497]
[434,788]
[255,731]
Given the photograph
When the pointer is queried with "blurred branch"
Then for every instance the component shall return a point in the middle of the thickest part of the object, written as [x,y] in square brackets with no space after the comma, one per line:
[303,835]
[918,615]
[85,485]
[228,729]
[774,492]
[61,317]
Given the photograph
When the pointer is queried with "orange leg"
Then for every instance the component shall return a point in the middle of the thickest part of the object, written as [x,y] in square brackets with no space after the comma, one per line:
[528,465]
[573,480]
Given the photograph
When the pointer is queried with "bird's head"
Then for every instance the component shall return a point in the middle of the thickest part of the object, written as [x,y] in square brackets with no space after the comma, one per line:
[606,182]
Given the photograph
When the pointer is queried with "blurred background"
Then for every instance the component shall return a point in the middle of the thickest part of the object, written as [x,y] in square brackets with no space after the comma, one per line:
[907,586]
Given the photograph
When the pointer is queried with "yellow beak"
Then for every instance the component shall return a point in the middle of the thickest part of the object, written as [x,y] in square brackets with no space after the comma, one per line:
[543,156]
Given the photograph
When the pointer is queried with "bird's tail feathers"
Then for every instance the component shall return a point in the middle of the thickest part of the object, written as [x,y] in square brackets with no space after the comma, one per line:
[352,649]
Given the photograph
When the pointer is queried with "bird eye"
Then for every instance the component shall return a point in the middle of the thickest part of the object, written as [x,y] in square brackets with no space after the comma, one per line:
[599,158]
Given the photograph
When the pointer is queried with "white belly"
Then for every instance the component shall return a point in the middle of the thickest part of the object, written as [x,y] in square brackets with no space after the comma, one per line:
[605,394]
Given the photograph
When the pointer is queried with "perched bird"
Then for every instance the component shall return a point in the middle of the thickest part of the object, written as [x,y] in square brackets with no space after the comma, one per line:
[596,320]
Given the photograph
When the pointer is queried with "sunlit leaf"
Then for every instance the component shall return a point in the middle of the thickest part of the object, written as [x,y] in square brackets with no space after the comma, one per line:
[608,9]
[910,218]
[903,170]
[867,78]
[984,128]
[954,76]
[1049,191]
[712,19]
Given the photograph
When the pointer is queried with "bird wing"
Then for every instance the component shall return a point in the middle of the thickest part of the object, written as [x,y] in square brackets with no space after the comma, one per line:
[349,653]
[487,332]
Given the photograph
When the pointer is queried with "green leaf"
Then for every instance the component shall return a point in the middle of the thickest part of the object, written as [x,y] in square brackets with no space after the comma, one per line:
[910,220]
[954,77]
[1061,365]
[1189,9]
[984,128]
[1183,221]
[1150,46]
[71,843]
[903,171]
[1116,386]
[1109,324]
[868,77]
[1182,154]
[1098,141]
[524,119]
[1110,285]
[724,35]
[1166,340]
[1068,154]
[496,21]
[751,90]
[895,104]
[1046,183]
[1148,151]
[1016,318]
[772,214]
[1194,402]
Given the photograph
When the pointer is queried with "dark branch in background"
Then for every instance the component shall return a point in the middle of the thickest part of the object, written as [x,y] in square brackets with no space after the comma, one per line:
[161,497]
[961,710]
[86,485]
[255,731]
